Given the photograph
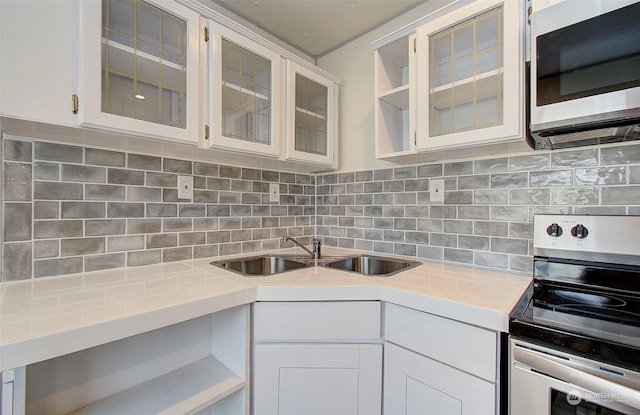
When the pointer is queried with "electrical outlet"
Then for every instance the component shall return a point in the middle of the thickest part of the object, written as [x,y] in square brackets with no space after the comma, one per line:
[274,192]
[185,187]
[436,190]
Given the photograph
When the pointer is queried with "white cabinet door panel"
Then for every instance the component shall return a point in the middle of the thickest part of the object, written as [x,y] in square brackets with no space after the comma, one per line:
[317,379]
[471,76]
[415,384]
[316,391]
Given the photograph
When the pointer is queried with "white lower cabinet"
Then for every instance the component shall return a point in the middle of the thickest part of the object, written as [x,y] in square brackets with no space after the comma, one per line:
[434,365]
[307,358]
[316,358]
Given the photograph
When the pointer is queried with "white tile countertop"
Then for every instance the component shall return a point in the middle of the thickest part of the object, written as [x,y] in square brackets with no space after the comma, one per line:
[49,317]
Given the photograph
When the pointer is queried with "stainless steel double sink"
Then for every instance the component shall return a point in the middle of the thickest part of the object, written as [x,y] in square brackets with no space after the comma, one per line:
[264,265]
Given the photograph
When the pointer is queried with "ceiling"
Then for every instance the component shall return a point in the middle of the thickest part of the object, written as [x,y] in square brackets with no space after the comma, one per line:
[317,27]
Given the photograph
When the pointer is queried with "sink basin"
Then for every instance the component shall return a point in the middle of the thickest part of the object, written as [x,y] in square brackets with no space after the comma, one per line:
[265,265]
[260,266]
[372,265]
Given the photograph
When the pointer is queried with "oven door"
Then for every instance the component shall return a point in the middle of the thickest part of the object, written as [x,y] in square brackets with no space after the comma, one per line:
[544,381]
[585,60]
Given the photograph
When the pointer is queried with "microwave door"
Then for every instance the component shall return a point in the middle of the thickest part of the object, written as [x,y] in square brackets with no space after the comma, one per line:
[586,66]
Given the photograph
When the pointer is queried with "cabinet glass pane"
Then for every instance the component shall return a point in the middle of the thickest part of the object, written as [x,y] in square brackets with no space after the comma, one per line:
[246,94]
[143,62]
[311,116]
[465,75]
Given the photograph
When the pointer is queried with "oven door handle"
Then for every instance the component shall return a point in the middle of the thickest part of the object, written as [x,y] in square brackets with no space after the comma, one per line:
[587,381]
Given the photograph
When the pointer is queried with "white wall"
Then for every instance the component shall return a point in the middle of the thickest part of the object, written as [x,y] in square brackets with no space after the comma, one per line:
[353,63]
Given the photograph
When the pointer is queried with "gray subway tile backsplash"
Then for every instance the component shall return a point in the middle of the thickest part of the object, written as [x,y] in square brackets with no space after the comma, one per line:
[99,157]
[17,182]
[71,209]
[177,166]
[143,162]
[575,158]
[17,222]
[18,151]
[58,152]
[102,262]
[77,173]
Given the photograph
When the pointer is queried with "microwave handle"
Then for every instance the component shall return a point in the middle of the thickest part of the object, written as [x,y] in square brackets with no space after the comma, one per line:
[578,378]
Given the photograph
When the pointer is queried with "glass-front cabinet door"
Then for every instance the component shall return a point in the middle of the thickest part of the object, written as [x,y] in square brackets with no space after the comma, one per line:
[311,116]
[470,76]
[245,94]
[140,68]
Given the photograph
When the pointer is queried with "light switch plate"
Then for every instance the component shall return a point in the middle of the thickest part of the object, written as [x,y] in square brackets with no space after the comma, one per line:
[436,190]
[185,187]
[274,192]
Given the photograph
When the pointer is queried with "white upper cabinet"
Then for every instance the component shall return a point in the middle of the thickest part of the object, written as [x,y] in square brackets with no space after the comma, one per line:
[36,76]
[264,103]
[471,76]
[140,68]
[171,70]
[246,97]
[311,117]
[394,77]
[451,84]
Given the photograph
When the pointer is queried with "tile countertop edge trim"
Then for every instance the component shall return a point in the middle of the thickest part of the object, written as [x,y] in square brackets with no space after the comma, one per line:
[45,347]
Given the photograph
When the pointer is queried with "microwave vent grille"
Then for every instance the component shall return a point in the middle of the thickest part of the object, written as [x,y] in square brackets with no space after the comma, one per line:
[584,135]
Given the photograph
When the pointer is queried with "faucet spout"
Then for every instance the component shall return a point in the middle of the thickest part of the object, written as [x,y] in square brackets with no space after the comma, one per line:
[315,254]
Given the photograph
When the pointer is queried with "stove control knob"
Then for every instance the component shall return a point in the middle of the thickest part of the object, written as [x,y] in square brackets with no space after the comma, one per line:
[579,231]
[554,230]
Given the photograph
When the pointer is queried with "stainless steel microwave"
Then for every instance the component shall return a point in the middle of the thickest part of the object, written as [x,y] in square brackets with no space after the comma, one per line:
[585,73]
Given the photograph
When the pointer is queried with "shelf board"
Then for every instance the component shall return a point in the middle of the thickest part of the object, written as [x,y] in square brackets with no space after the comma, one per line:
[466,81]
[244,91]
[311,114]
[141,54]
[398,97]
[186,390]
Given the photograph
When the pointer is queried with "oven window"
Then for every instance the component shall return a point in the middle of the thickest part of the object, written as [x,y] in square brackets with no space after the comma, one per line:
[591,57]
[574,404]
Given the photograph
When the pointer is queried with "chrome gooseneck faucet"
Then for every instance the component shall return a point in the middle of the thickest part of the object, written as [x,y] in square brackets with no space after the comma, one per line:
[315,254]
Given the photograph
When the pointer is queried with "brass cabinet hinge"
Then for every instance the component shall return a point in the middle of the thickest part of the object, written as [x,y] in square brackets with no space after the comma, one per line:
[206,132]
[529,13]
[75,103]
[415,138]
[415,48]
[206,34]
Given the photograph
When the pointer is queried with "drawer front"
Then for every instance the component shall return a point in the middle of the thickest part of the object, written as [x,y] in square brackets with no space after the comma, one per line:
[468,348]
[319,320]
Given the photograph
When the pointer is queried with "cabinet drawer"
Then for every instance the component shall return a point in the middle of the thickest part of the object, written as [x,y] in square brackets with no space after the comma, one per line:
[337,320]
[460,345]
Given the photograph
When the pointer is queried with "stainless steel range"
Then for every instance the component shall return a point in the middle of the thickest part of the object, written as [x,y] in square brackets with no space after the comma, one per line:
[575,335]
